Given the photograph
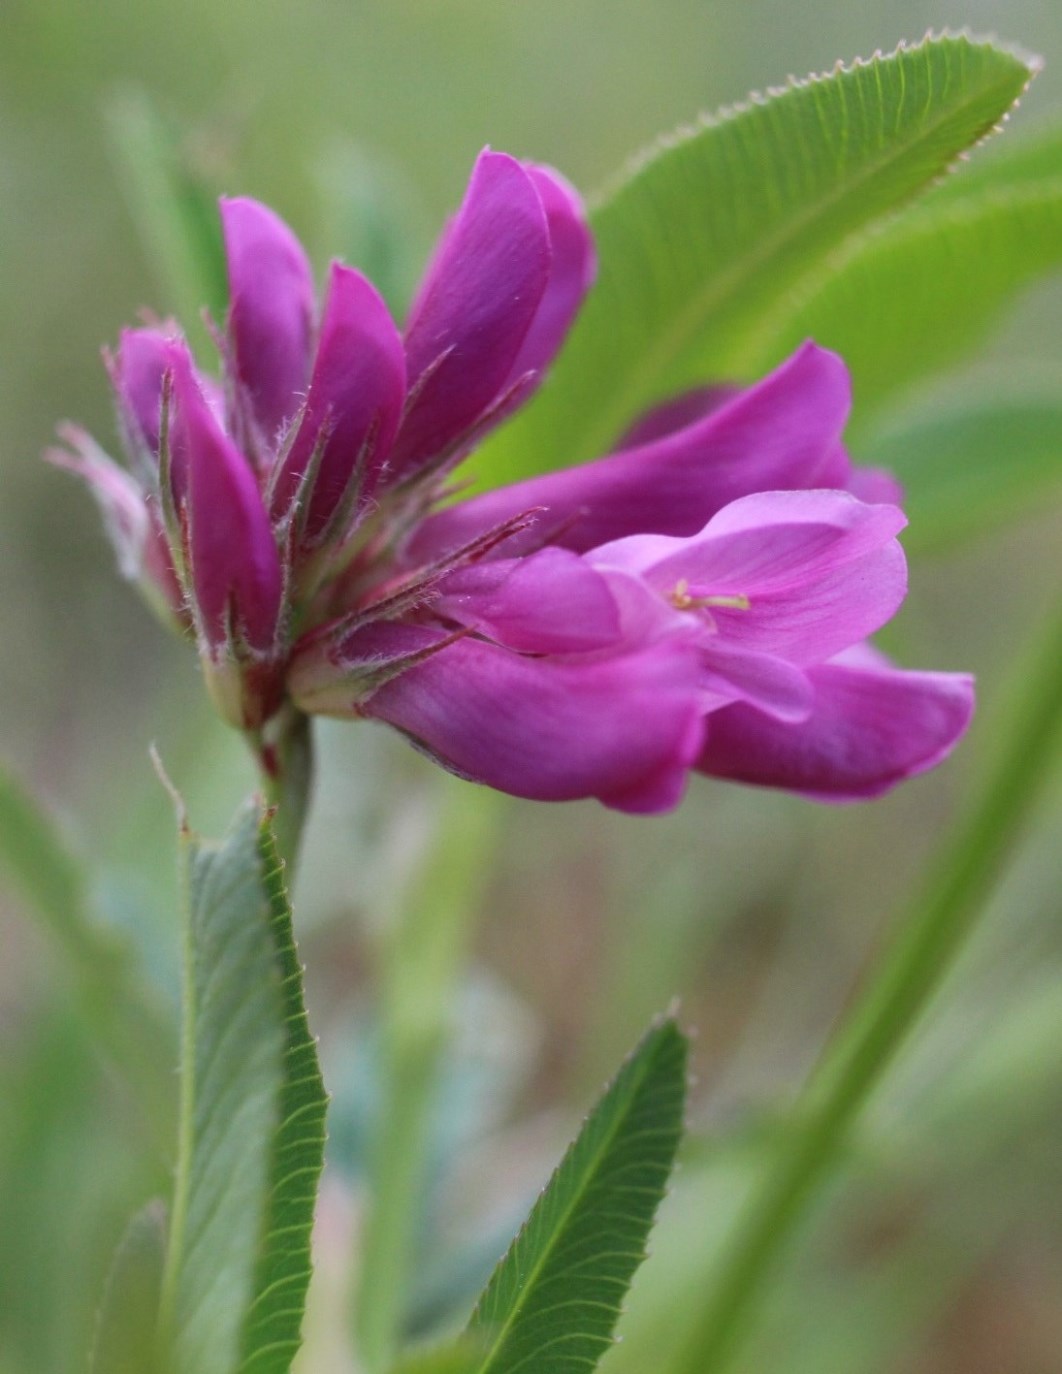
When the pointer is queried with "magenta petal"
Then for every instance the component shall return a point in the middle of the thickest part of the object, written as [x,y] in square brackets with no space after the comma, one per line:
[271,316]
[549,602]
[622,729]
[355,396]
[573,265]
[875,486]
[774,436]
[234,566]
[769,683]
[871,727]
[819,570]
[679,412]
[474,309]
[137,370]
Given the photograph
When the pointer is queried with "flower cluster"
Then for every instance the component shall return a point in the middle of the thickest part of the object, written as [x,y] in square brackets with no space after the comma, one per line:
[698,599]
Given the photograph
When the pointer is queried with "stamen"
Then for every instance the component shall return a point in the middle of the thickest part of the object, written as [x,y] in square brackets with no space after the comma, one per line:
[682,601]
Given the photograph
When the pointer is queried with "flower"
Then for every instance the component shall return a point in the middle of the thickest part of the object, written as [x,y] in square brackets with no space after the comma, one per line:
[696,600]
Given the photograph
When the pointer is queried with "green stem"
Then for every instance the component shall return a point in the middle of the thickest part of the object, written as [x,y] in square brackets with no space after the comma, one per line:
[421,958]
[930,936]
[284,754]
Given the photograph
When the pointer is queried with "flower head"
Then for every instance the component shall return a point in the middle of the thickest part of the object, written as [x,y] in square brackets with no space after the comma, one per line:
[697,599]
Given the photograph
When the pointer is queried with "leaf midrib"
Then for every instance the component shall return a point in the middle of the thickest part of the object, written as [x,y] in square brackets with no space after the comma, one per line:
[673,341]
[529,1285]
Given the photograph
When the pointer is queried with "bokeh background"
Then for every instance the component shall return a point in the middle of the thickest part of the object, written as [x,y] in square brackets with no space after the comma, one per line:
[940,1249]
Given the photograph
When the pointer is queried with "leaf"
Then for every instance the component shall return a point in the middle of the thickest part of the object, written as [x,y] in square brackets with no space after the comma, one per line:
[713,229]
[272,1334]
[420,962]
[553,1301]
[923,294]
[127,1332]
[173,209]
[1031,156]
[53,885]
[461,1357]
[969,470]
[251,1102]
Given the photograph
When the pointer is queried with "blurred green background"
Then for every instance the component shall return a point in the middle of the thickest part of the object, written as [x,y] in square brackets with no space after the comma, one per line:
[941,1248]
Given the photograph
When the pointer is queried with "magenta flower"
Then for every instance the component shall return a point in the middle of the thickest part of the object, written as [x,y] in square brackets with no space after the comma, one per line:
[696,600]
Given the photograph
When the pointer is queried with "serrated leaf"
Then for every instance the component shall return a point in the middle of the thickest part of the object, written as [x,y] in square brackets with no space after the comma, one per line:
[922,295]
[1031,156]
[249,1089]
[272,1333]
[969,470]
[127,1331]
[553,1301]
[710,231]
[53,884]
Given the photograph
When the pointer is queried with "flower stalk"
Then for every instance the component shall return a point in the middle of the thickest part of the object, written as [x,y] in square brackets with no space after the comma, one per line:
[283,751]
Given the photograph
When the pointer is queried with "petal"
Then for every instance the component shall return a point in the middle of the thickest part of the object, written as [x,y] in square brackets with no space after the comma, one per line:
[235,569]
[875,485]
[678,413]
[621,729]
[549,602]
[762,680]
[137,370]
[871,727]
[271,315]
[474,310]
[573,266]
[774,436]
[766,542]
[356,394]
[819,570]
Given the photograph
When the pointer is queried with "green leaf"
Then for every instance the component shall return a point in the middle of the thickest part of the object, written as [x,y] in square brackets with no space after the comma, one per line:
[174,210]
[251,1102]
[421,958]
[699,245]
[1034,155]
[553,1301]
[969,470]
[923,294]
[272,1334]
[461,1357]
[53,886]
[127,1332]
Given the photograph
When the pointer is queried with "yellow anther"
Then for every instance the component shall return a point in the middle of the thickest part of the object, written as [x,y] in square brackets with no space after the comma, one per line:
[682,601]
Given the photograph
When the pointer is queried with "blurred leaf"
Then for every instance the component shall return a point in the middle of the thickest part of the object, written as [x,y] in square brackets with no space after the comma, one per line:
[458,1358]
[250,1137]
[372,218]
[716,226]
[422,955]
[73,1168]
[54,886]
[922,294]
[970,470]
[272,1334]
[128,1322]
[560,1286]
[175,212]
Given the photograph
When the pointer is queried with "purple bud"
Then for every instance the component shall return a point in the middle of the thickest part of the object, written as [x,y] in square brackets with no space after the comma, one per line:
[233,567]
[352,411]
[271,315]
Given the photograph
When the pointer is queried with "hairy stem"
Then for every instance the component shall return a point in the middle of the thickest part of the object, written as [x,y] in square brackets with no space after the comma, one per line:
[284,754]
